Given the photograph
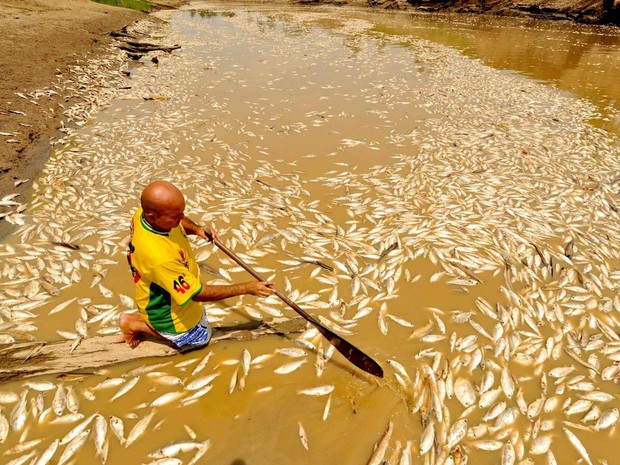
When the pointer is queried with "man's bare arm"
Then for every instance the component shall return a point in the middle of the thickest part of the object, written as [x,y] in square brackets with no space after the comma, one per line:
[192,228]
[219,292]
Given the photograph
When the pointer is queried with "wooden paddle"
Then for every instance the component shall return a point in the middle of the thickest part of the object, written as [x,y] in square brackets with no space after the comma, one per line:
[350,352]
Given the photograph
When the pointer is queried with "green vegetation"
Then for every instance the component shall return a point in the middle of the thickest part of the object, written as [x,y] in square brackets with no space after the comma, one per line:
[140,5]
[211,14]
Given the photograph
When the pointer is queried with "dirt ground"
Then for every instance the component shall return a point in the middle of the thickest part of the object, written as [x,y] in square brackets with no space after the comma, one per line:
[41,39]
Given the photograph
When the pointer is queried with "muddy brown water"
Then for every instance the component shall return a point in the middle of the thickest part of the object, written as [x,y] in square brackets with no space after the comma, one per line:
[333,135]
[581,60]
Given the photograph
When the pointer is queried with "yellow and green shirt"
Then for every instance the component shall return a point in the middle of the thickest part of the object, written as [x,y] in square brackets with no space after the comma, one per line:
[166,276]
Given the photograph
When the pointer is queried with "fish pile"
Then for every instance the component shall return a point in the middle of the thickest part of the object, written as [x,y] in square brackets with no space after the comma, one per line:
[436,172]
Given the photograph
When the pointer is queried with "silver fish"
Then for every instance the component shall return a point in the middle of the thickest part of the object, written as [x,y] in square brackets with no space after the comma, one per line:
[125,388]
[608,418]
[118,428]
[73,447]
[379,453]
[59,402]
[428,438]
[75,431]
[18,415]
[317,391]
[100,431]
[138,429]
[456,433]
[289,367]
[48,453]
[4,427]
[303,436]
[574,440]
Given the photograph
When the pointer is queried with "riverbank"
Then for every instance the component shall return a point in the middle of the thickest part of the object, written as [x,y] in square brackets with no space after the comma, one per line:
[588,11]
[45,44]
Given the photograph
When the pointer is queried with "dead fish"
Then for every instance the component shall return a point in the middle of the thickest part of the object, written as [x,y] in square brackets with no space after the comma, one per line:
[487,444]
[18,415]
[40,386]
[111,382]
[202,364]
[574,440]
[125,388]
[138,429]
[379,453]
[23,447]
[201,382]
[456,433]
[608,418]
[197,394]
[48,453]
[62,306]
[23,459]
[75,431]
[233,381]
[293,352]
[464,392]
[540,445]
[508,454]
[173,449]
[8,397]
[507,383]
[166,398]
[73,447]
[246,358]
[561,372]
[99,435]
[289,367]
[317,391]
[302,436]
[325,410]
[400,369]
[105,292]
[67,419]
[4,427]
[428,438]
[72,400]
[118,428]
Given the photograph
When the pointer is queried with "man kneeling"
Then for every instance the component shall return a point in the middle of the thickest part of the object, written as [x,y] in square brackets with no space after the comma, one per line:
[166,276]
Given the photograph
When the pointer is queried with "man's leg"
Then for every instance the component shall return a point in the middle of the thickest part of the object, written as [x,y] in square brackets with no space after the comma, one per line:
[134,328]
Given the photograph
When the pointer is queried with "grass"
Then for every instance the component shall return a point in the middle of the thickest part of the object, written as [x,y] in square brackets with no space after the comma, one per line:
[139,5]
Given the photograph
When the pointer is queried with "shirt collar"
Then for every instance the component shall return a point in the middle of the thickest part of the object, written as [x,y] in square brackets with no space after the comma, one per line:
[150,228]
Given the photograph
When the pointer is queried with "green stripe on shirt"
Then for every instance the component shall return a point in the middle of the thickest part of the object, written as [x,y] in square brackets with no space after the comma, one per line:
[158,309]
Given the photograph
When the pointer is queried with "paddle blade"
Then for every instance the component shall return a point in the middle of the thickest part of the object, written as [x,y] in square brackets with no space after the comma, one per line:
[352,353]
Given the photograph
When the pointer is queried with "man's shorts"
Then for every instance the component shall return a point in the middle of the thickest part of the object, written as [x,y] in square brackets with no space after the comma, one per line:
[198,336]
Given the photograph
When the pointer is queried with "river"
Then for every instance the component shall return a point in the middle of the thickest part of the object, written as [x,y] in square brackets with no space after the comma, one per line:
[437,193]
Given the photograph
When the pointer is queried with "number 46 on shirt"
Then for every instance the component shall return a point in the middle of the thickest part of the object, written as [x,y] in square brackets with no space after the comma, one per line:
[180,285]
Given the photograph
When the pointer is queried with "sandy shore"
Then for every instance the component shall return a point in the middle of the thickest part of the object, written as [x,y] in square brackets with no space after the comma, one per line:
[41,40]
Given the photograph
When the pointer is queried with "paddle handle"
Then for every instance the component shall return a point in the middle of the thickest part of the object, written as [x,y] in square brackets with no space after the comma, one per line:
[250,270]
[348,350]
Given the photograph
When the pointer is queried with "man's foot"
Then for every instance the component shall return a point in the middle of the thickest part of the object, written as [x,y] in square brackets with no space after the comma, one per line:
[134,329]
[130,325]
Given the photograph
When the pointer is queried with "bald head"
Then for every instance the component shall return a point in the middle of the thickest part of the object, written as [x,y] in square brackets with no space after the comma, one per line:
[163,205]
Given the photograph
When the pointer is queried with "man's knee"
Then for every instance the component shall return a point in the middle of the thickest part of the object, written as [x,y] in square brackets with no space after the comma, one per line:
[130,321]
